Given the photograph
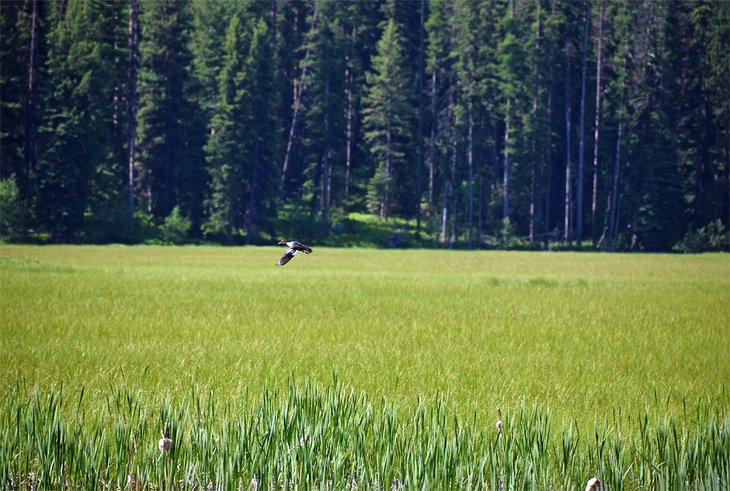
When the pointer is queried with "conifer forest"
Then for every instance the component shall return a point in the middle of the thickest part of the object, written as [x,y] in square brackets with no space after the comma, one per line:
[598,124]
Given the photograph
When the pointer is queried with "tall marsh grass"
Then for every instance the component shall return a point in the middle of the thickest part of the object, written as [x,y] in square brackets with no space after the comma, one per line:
[312,436]
[603,365]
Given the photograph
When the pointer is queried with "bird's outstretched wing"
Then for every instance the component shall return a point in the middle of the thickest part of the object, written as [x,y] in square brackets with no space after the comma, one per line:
[301,247]
[288,255]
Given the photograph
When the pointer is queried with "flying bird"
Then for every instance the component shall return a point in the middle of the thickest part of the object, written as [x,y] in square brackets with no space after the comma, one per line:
[293,248]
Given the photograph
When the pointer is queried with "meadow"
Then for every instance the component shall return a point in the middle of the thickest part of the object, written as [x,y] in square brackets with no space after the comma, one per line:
[362,368]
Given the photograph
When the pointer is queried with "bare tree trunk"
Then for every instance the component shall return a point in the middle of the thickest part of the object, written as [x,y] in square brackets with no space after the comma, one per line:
[481,183]
[452,180]
[325,203]
[534,118]
[506,169]
[567,222]
[614,191]
[597,122]
[388,173]
[133,46]
[444,212]
[579,197]
[432,143]
[298,89]
[420,119]
[251,216]
[470,162]
[549,170]
[29,115]
[349,135]
[606,239]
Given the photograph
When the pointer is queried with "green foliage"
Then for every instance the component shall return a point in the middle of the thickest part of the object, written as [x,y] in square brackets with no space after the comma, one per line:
[454,112]
[424,345]
[226,150]
[387,117]
[176,227]
[507,235]
[170,129]
[329,436]
[324,144]
[78,128]
[14,51]
[712,237]
[13,219]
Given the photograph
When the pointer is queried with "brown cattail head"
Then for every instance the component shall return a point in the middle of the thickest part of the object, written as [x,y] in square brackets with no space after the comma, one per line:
[165,444]
[594,484]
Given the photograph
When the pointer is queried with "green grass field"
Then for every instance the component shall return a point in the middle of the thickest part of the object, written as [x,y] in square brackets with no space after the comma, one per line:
[578,338]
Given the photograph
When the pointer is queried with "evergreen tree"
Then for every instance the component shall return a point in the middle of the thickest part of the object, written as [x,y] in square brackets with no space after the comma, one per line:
[226,147]
[324,135]
[20,51]
[654,195]
[78,126]
[170,129]
[699,43]
[292,21]
[513,75]
[263,147]
[388,114]
[360,22]
[440,87]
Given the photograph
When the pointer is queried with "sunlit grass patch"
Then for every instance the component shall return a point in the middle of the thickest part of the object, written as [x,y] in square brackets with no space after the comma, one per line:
[580,336]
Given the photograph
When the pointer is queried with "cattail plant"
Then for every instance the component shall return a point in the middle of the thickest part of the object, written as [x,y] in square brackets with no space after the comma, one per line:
[311,436]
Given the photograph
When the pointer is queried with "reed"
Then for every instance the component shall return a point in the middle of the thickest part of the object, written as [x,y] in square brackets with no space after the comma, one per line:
[313,436]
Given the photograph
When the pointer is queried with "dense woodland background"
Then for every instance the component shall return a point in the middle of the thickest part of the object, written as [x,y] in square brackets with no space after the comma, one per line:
[457,123]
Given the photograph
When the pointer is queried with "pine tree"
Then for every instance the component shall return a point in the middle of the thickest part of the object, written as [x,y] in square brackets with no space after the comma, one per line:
[324,134]
[21,49]
[654,200]
[699,44]
[226,148]
[264,149]
[78,126]
[388,114]
[513,74]
[170,129]
[440,87]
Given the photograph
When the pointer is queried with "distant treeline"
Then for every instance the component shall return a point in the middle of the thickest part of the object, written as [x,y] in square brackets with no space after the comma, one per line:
[588,123]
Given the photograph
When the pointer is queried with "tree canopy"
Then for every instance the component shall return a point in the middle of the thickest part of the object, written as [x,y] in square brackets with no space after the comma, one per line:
[457,123]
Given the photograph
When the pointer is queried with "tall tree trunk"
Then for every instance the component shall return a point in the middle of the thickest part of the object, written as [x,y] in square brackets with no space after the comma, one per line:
[421,55]
[506,170]
[481,182]
[133,46]
[607,236]
[567,223]
[388,172]
[325,204]
[614,190]
[452,177]
[597,122]
[470,163]
[444,212]
[348,123]
[432,143]
[534,122]
[298,90]
[579,197]
[29,115]
[549,152]
[251,216]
